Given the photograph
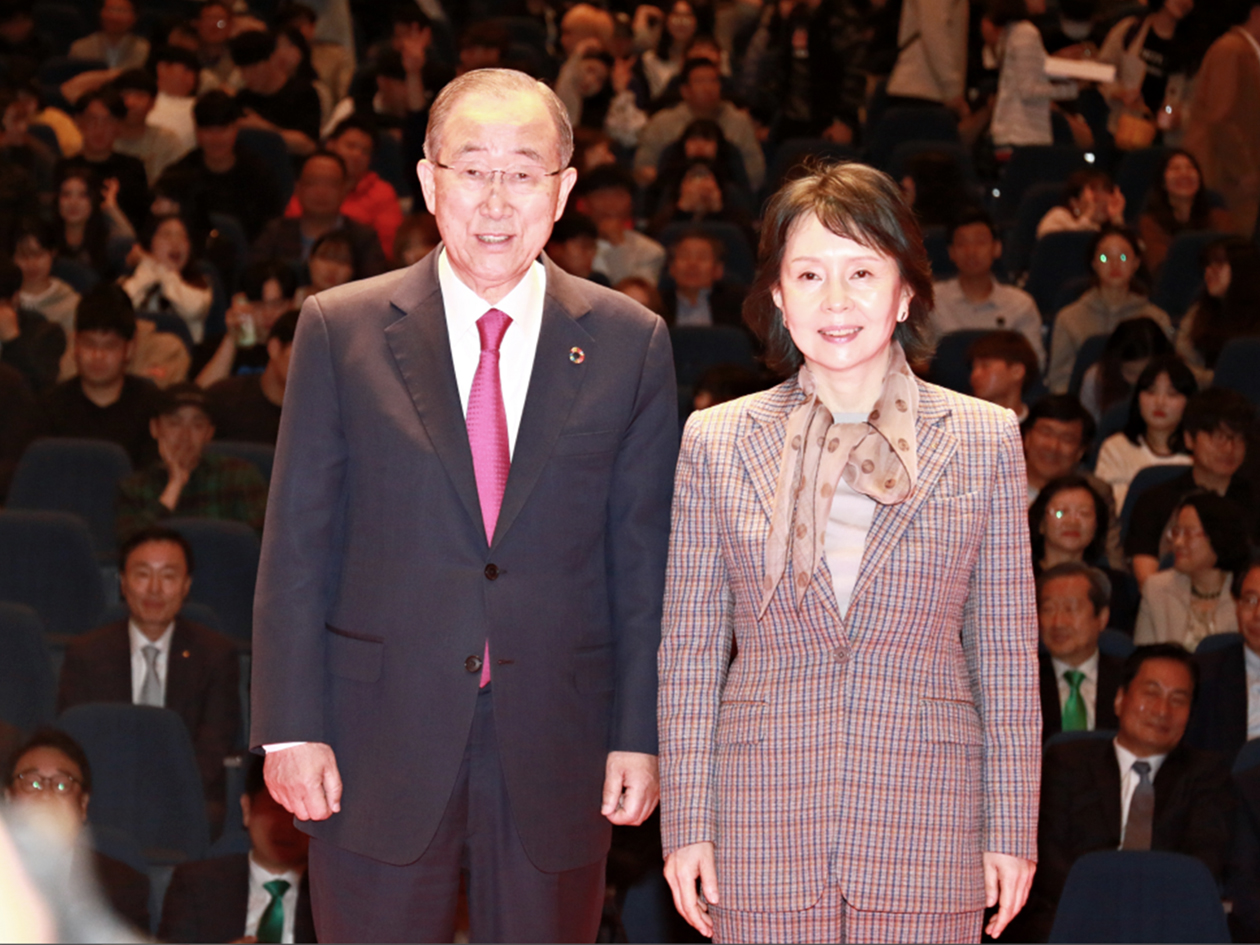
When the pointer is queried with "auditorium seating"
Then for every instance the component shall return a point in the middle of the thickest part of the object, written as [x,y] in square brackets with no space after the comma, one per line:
[269,147]
[1181,276]
[909,123]
[226,558]
[950,365]
[1150,476]
[50,565]
[261,455]
[1021,235]
[1238,368]
[1034,164]
[1135,175]
[27,686]
[1089,354]
[1056,258]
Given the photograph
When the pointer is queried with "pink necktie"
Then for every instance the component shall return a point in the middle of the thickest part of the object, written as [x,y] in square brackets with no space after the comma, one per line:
[488,434]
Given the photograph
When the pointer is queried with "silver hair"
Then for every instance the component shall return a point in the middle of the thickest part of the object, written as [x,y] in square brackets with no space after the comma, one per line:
[498,83]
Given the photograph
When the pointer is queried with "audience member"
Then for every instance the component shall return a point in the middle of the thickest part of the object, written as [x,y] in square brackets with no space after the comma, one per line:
[974,299]
[22,47]
[332,61]
[698,295]
[1152,435]
[156,657]
[1177,203]
[88,217]
[188,481]
[29,343]
[417,236]
[156,146]
[702,140]
[34,249]
[1078,681]
[267,292]
[665,61]
[263,895]
[177,80]
[369,199]
[166,279]
[1114,258]
[1227,308]
[99,115]
[572,246]
[1003,370]
[607,196]
[332,263]
[1223,130]
[247,407]
[1243,888]
[1151,62]
[931,64]
[702,98]
[1021,114]
[724,382]
[20,150]
[103,402]
[1215,426]
[114,44]
[643,291]
[1125,355]
[1226,712]
[936,188]
[272,100]
[51,768]
[1191,600]
[215,30]
[1090,201]
[320,189]
[222,177]
[17,427]
[698,196]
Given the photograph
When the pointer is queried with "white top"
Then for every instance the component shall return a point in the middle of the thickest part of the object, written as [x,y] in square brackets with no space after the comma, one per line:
[175,112]
[638,255]
[1129,779]
[1006,307]
[1022,112]
[524,305]
[1089,686]
[140,666]
[1119,460]
[1061,220]
[259,898]
[1252,660]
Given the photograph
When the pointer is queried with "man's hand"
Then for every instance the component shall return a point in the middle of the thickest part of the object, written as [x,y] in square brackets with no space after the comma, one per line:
[838,132]
[682,868]
[631,787]
[304,780]
[1007,880]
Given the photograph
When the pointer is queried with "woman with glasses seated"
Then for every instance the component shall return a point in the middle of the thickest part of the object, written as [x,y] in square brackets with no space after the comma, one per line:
[1191,601]
[1068,522]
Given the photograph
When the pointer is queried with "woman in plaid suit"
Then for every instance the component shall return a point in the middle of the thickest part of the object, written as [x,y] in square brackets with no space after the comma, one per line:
[849,716]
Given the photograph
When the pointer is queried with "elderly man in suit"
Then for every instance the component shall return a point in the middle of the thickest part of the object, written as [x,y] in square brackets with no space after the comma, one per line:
[155,657]
[1078,681]
[1226,713]
[460,591]
[1142,790]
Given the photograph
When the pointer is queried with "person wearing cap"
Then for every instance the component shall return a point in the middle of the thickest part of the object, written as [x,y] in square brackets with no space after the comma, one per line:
[271,99]
[156,146]
[187,481]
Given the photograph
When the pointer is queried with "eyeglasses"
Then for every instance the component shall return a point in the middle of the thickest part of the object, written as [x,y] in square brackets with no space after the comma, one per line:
[1250,601]
[1223,438]
[522,180]
[59,784]
[1189,534]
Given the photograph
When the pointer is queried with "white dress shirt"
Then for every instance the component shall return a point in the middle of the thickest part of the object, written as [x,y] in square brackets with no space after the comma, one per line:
[1089,686]
[1129,779]
[1252,660]
[140,666]
[259,898]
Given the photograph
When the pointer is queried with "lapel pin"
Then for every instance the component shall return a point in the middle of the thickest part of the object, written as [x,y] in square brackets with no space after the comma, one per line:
[186,654]
[577,355]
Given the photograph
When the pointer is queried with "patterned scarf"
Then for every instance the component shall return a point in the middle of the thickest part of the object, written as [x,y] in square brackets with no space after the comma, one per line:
[877,458]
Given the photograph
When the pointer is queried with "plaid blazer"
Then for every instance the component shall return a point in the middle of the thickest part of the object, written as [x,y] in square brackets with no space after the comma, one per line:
[881,750]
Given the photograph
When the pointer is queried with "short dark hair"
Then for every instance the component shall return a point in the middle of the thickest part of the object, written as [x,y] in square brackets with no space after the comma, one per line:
[389,65]
[10,278]
[970,216]
[355,122]
[572,225]
[1001,12]
[257,275]
[178,55]
[43,232]
[106,307]
[255,783]
[155,533]
[107,96]
[1011,347]
[853,201]
[1209,410]
[1183,382]
[1224,525]
[323,153]
[136,80]
[606,177]
[408,13]
[1064,408]
[48,737]
[1240,576]
[284,328]
[698,233]
[486,34]
[1087,179]
[1099,583]
[1037,513]
[216,109]
[291,10]
[694,63]
[1158,651]
[252,47]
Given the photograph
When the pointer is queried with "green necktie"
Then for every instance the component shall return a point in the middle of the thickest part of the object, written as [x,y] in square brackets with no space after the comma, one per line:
[271,925]
[1074,717]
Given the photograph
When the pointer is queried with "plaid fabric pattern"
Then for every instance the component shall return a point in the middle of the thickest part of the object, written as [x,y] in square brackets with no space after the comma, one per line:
[220,487]
[880,751]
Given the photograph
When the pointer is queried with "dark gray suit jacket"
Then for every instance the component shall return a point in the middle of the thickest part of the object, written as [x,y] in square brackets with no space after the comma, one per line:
[377,585]
[1218,721]
[1104,703]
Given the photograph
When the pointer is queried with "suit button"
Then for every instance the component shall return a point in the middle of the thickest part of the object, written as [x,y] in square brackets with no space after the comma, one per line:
[492,572]
[473,664]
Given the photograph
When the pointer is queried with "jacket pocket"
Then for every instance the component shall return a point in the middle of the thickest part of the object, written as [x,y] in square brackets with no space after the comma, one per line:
[354,657]
[952,723]
[741,723]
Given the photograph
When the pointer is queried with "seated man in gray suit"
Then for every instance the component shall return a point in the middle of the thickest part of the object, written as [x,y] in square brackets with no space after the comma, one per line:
[155,657]
[1227,712]
[1078,683]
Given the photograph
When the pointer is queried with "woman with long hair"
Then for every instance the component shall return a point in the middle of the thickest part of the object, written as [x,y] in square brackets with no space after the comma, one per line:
[683,21]
[166,279]
[1228,306]
[1128,350]
[1177,203]
[87,217]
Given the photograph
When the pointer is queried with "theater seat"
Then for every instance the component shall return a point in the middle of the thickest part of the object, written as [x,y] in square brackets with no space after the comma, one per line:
[50,565]
[27,686]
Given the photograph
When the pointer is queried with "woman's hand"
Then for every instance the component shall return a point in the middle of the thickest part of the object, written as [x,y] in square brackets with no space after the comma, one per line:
[683,867]
[109,194]
[1007,880]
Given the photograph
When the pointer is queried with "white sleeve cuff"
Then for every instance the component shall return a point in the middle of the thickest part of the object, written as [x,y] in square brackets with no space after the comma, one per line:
[281,746]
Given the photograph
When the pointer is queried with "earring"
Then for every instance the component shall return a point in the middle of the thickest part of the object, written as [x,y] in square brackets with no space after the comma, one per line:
[905,313]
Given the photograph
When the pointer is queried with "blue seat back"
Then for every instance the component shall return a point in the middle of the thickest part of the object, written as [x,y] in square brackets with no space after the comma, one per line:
[1248,756]
[1035,164]
[76,476]
[27,686]
[226,555]
[1063,738]
[145,780]
[1113,420]
[1114,643]
[1056,258]
[79,276]
[950,365]
[1134,177]
[793,152]
[1021,236]
[1146,896]
[696,349]
[900,124]
[1236,368]
[1217,641]
[1181,276]
[1145,479]
[1087,355]
[261,455]
[50,565]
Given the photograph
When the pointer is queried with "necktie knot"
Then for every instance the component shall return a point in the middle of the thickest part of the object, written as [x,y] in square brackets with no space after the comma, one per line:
[1074,678]
[277,887]
[491,327]
[1143,769]
[1075,716]
[151,653]
[271,923]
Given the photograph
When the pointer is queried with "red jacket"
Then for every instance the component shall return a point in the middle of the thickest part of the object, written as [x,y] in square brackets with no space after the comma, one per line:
[373,203]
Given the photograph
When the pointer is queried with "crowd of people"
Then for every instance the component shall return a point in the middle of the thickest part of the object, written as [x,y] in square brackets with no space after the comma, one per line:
[177,182]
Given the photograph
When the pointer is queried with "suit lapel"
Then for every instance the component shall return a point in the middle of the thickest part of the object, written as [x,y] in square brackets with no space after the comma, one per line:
[935,447]
[181,669]
[1168,780]
[761,449]
[1051,711]
[115,677]
[1106,778]
[554,383]
[422,350]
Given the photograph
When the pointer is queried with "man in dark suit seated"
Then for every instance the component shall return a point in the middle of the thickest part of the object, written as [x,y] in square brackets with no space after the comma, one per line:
[51,768]
[155,657]
[1243,884]
[1142,790]
[1227,711]
[700,297]
[1078,683]
[264,893]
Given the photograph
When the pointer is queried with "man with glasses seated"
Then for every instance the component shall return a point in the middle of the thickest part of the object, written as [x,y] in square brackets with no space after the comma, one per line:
[1216,423]
[51,768]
